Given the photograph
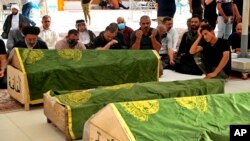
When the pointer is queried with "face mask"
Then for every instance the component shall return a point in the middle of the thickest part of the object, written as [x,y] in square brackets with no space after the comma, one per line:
[121,26]
[72,43]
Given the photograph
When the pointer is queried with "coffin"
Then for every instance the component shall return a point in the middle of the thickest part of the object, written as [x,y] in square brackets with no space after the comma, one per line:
[32,72]
[205,117]
[69,110]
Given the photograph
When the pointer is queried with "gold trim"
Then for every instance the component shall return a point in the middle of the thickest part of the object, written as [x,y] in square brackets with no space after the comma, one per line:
[37,101]
[159,61]
[69,116]
[24,75]
[70,122]
[123,123]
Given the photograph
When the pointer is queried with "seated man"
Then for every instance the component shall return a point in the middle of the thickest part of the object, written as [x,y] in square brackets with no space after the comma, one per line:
[71,41]
[47,34]
[31,39]
[173,37]
[145,37]
[235,39]
[3,61]
[185,62]
[163,52]
[13,21]
[86,36]
[15,36]
[214,59]
[108,39]
[125,30]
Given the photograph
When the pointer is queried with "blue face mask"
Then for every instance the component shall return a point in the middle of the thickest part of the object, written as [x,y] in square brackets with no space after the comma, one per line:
[121,26]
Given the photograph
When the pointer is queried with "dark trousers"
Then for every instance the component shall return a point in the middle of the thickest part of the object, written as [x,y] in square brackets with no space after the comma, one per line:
[26,12]
[206,68]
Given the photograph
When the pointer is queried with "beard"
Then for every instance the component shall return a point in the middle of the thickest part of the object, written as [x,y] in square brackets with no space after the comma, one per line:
[194,27]
[14,13]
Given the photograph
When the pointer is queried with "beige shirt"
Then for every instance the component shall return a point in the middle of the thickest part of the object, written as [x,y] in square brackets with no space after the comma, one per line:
[49,36]
[62,44]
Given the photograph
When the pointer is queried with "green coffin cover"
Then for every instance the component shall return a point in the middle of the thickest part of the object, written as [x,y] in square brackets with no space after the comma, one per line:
[196,118]
[76,69]
[82,105]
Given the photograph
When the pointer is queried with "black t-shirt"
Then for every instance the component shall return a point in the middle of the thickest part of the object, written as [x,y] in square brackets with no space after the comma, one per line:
[210,10]
[196,4]
[214,54]
[101,42]
[2,47]
[146,42]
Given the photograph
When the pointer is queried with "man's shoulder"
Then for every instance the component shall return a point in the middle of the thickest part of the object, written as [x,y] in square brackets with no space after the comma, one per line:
[128,28]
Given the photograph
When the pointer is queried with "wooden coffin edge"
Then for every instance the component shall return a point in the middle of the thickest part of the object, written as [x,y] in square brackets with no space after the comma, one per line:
[56,114]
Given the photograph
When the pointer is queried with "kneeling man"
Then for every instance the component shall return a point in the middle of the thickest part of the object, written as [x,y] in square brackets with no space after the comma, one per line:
[213,57]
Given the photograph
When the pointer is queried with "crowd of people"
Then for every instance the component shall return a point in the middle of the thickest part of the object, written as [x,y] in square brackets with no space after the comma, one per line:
[200,51]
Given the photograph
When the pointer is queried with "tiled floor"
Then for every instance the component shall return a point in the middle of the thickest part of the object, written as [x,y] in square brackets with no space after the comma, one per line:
[32,125]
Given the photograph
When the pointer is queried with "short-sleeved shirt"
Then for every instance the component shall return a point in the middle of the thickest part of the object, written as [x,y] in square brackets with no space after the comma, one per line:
[146,42]
[226,7]
[214,54]
[2,47]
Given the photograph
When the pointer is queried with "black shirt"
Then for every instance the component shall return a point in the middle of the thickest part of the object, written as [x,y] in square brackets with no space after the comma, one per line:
[39,45]
[214,54]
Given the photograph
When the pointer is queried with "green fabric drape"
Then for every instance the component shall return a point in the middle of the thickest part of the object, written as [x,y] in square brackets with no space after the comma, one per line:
[197,118]
[84,104]
[76,69]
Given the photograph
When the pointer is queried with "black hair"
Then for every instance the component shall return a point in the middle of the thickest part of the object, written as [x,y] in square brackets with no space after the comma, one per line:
[206,27]
[197,16]
[167,18]
[113,28]
[205,20]
[73,31]
[80,21]
[31,30]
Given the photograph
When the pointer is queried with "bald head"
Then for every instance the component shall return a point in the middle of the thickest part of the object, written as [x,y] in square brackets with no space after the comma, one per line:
[238,28]
[120,20]
[162,29]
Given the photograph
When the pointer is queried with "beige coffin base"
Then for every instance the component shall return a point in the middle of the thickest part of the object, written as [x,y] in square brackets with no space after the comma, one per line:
[17,87]
[56,114]
[96,128]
